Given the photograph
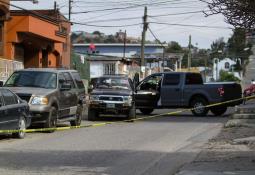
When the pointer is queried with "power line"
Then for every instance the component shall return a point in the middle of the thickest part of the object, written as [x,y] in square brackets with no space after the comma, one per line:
[111,26]
[173,14]
[156,38]
[122,8]
[190,25]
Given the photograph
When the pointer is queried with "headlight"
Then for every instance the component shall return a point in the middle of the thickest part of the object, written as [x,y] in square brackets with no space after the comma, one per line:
[39,101]
[127,99]
[94,97]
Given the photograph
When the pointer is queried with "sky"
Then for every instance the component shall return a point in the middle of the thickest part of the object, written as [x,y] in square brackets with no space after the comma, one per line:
[162,14]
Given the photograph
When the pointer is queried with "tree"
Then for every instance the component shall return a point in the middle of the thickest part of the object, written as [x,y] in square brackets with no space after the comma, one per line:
[174,47]
[218,48]
[97,33]
[239,13]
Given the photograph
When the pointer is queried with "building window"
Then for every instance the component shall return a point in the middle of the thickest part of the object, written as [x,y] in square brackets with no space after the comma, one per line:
[1,38]
[227,65]
[109,69]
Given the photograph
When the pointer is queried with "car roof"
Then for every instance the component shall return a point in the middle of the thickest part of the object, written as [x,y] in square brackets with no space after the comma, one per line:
[114,76]
[53,70]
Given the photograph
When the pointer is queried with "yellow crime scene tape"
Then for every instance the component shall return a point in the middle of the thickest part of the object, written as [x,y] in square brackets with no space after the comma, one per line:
[122,121]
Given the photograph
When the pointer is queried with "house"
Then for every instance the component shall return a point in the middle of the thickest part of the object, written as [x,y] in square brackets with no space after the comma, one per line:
[227,65]
[37,38]
[117,58]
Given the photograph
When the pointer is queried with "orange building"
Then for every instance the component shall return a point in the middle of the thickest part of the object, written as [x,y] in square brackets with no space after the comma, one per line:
[38,38]
[30,39]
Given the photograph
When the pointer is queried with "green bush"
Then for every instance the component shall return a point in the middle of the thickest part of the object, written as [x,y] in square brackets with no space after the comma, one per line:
[226,76]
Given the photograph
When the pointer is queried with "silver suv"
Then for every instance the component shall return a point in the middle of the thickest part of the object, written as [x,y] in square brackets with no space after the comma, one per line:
[53,95]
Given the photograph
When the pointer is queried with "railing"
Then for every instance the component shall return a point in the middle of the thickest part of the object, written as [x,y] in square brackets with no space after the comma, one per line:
[7,67]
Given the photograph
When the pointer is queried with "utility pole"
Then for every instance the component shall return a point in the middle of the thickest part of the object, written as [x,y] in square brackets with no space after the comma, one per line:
[125,41]
[189,55]
[69,9]
[145,27]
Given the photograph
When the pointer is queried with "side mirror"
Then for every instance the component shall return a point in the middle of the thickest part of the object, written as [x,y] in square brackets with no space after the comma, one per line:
[1,83]
[65,87]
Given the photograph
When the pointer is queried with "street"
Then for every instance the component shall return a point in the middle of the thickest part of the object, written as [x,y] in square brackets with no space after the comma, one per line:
[158,146]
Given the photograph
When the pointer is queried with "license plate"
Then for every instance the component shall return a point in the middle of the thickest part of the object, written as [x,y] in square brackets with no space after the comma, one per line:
[110,105]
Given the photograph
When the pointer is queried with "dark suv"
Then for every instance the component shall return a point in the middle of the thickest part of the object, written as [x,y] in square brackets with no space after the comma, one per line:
[112,95]
[53,95]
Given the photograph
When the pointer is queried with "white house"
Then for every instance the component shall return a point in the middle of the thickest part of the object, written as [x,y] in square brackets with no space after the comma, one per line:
[227,65]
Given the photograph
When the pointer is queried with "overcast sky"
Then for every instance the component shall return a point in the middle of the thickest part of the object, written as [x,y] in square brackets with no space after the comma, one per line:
[111,9]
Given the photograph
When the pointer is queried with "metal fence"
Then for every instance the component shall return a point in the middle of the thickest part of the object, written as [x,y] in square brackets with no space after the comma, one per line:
[7,67]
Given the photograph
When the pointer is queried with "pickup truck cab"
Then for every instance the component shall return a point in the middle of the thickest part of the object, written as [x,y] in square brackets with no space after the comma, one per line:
[185,90]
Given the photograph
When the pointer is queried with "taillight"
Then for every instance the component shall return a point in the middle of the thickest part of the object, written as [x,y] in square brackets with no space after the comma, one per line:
[221,91]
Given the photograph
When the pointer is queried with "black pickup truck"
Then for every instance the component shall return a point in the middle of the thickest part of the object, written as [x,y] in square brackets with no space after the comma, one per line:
[185,90]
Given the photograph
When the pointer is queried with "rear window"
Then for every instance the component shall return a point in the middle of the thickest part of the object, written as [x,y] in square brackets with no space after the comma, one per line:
[193,79]
[171,79]
[78,80]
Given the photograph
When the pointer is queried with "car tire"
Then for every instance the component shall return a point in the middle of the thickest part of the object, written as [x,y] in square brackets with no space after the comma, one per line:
[132,113]
[92,114]
[78,116]
[199,102]
[146,111]
[218,110]
[51,121]
[21,126]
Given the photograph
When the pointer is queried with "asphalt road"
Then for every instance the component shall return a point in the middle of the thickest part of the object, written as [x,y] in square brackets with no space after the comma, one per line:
[159,146]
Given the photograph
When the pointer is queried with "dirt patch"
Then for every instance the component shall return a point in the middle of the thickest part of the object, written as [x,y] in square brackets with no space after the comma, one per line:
[227,135]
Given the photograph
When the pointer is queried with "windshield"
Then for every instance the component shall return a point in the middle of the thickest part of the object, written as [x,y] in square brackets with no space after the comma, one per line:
[113,83]
[32,79]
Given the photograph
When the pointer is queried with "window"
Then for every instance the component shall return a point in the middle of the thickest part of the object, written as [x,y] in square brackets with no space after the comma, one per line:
[109,69]
[9,97]
[151,83]
[78,80]
[227,65]
[69,79]
[171,79]
[32,79]
[192,79]
[61,79]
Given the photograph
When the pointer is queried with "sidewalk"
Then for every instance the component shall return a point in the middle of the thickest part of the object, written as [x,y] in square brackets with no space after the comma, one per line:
[232,152]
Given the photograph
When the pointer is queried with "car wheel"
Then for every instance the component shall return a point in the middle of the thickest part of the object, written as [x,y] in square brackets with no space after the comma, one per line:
[21,127]
[199,106]
[92,114]
[51,121]
[77,121]
[146,111]
[218,110]
[132,113]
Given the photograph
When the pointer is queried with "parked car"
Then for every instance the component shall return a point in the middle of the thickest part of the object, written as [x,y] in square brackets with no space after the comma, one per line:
[185,90]
[14,113]
[112,95]
[53,95]
[249,91]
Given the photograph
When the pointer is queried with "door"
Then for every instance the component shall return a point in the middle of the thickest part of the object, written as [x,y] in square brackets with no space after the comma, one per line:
[63,98]
[71,95]
[148,92]
[171,91]
[44,58]
[3,113]
[12,110]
